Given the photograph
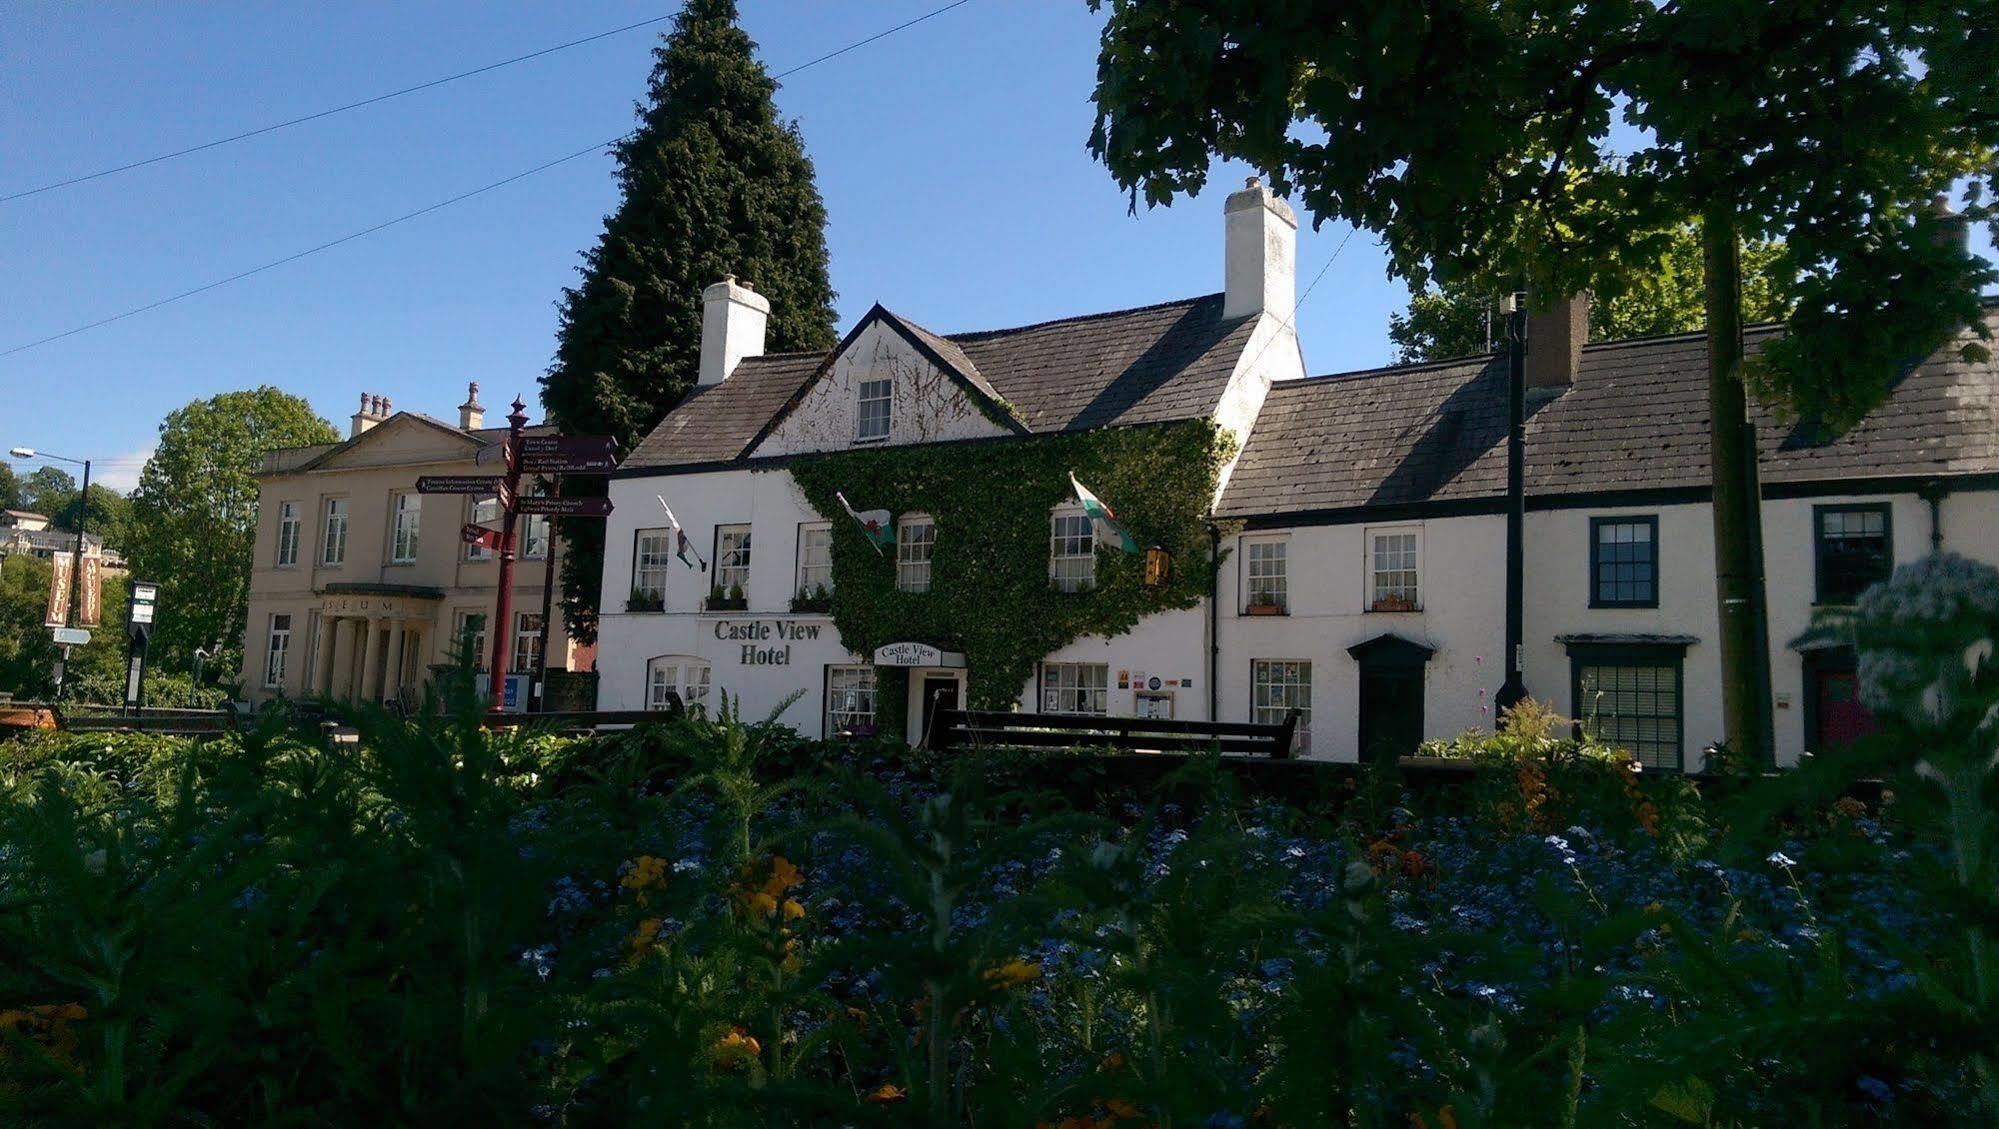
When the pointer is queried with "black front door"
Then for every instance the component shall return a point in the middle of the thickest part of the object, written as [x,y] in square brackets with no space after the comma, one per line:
[1391,713]
[939,693]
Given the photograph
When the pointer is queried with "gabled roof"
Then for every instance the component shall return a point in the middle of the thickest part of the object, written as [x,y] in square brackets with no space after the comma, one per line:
[1152,364]
[1636,419]
[298,460]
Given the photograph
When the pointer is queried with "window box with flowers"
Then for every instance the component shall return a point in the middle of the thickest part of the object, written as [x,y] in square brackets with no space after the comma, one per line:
[645,600]
[819,599]
[730,599]
[1267,608]
[1393,602]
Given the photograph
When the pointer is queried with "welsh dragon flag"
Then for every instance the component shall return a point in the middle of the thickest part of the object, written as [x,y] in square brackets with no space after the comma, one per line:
[1109,532]
[877,524]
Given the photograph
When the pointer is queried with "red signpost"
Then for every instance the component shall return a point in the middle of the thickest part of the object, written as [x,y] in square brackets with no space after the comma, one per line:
[524,454]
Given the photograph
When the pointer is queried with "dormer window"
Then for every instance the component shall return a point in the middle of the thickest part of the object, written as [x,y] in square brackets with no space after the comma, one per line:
[871,419]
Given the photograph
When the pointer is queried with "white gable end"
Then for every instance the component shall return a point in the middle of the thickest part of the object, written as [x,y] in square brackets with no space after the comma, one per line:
[925,403]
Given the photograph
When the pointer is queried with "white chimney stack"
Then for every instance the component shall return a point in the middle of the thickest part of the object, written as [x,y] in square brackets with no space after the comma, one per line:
[733,318]
[471,413]
[1261,254]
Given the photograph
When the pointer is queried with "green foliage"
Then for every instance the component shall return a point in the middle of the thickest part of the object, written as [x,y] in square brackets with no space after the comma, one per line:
[10,489]
[1459,319]
[990,595]
[194,515]
[713,183]
[27,652]
[1487,142]
[47,491]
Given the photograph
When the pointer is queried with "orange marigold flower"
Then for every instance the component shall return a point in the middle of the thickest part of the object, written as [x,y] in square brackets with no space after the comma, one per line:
[783,876]
[1447,1118]
[792,910]
[1121,1108]
[886,1094]
[1113,1061]
[737,1048]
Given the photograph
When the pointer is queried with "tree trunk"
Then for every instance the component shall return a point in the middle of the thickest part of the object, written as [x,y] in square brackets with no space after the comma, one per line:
[1737,506]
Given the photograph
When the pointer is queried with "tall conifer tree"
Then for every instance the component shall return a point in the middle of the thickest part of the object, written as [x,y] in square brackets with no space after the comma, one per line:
[713,182]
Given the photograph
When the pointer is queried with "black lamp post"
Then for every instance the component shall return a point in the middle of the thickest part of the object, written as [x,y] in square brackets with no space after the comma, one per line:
[76,554]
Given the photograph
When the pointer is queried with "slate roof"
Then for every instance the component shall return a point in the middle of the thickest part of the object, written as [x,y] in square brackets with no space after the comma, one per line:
[1635,419]
[288,460]
[1152,364]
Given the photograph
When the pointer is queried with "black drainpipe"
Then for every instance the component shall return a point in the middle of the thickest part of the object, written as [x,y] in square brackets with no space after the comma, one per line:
[1214,622]
[1933,492]
[1514,690]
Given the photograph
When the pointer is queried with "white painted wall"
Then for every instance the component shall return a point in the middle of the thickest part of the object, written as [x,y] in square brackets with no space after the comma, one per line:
[1463,601]
[928,406]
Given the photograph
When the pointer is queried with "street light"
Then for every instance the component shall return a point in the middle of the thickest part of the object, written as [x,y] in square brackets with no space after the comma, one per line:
[76,555]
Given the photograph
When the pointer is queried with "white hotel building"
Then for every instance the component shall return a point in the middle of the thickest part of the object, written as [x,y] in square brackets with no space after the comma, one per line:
[1362,521]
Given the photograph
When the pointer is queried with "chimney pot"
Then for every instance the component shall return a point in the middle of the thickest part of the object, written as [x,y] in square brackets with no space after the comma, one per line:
[733,320]
[471,413]
[369,415]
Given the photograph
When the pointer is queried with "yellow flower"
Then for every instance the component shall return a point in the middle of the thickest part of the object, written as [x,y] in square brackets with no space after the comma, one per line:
[887,1093]
[737,1048]
[646,872]
[763,903]
[1121,1109]
[792,910]
[1012,974]
[645,934]
[783,876]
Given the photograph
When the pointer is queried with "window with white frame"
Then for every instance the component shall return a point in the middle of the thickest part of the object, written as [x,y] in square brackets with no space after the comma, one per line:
[333,534]
[276,652]
[288,534]
[485,511]
[679,676]
[1072,552]
[732,558]
[872,410]
[1393,563]
[652,555]
[915,536]
[1075,688]
[468,632]
[527,642]
[815,559]
[1266,579]
[408,519]
[1278,686]
[850,700]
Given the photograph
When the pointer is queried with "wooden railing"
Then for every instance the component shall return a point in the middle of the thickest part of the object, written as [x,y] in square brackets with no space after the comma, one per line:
[977,728]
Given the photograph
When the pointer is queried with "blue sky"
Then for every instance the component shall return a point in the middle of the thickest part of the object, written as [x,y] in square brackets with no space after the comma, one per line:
[951,157]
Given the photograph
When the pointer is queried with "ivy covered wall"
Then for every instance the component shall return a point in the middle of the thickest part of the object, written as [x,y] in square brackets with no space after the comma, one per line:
[990,595]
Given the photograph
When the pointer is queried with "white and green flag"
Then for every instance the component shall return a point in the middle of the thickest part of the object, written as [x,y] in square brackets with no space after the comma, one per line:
[879,525]
[1109,532]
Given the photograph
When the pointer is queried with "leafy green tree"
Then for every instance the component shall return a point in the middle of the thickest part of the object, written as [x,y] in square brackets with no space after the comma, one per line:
[1565,144]
[711,183]
[10,488]
[48,491]
[1460,318]
[194,515]
[108,514]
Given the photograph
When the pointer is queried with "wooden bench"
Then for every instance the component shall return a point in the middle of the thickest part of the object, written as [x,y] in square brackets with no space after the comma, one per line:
[996,729]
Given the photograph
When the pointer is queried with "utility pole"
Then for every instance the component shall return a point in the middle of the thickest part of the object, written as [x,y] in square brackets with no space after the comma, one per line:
[1514,690]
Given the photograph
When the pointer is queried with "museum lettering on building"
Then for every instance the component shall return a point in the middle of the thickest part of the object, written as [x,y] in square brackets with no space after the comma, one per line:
[853,539]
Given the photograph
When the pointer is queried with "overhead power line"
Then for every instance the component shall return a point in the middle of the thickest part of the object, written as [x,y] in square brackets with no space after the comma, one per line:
[438,206]
[312,117]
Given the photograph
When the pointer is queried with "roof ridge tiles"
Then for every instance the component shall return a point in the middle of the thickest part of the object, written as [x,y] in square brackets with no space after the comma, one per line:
[977,334]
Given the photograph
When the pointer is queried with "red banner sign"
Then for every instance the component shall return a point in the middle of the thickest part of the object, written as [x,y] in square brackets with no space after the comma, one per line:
[59,580]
